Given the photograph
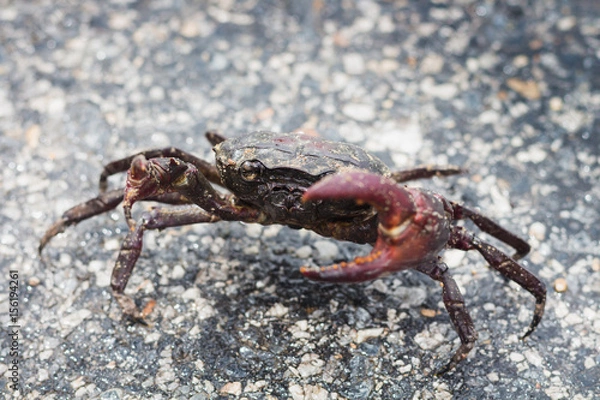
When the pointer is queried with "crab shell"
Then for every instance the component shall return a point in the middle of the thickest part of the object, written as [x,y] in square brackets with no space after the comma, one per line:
[303,153]
[272,171]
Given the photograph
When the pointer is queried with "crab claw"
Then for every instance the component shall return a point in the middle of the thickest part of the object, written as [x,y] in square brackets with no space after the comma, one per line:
[147,178]
[413,226]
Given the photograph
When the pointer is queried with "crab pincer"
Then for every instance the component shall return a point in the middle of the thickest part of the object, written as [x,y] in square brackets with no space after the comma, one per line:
[412,229]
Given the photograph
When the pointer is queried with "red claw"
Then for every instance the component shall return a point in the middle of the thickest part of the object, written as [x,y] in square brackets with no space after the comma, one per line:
[413,226]
[148,178]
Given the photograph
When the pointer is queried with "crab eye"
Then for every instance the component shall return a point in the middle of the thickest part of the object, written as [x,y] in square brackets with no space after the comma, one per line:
[251,170]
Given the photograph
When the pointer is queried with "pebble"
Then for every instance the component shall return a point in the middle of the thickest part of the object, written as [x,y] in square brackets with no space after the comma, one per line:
[493,377]
[533,357]
[521,61]
[278,310]
[516,357]
[326,249]
[303,252]
[359,111]
[443,91]
[310,365]
[366,334]
[432,64]
[72,320]
[429,338]
[43,374]
[254,230]
[354,63]
[34,281]
[566,23]
[177,272]
[555,103]
[534,154]
[232,388]
[528,89]
[560,285]
[589,363]
[537,230]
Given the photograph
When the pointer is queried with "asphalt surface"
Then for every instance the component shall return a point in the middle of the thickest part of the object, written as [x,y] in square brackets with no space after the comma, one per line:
[509,92]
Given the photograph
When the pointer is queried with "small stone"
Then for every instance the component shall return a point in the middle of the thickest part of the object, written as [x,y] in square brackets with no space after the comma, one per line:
[443,91]
[573,319]
[33,281]
[489,117]
[533,357]
[156,93]
[178,272]
[310,365]
[534,154]
[521,61]
[366,334]
[429,313]
[429,339]
[432,64]
[571,121]
[516,357]
[589,363]
[296,392]
[252,250]
[560,285]
[254,230]
[538,230]
[528,89]
[78,382]
[43,374]
[354,64]
[303,252]
[189,29]
[233,388]
[566,23]
[327,250]
[555,103]
[112,244]
[405,369]
[32,135]
[278,310]
[72,320]
[359,111]
[152,337]
[219,62]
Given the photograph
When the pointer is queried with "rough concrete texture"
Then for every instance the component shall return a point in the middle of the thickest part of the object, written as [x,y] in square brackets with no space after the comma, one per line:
[510,92]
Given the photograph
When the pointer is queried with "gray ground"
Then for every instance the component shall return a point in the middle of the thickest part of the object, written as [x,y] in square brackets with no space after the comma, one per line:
[512,93]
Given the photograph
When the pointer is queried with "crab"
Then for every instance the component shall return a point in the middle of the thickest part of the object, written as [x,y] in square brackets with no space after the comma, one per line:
[337,190]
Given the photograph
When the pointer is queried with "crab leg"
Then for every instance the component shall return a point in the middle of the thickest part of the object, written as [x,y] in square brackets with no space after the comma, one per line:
[98,205]
[507,266]
[455,305]
[492,228]
[425,172]
[104,202]
[157,218]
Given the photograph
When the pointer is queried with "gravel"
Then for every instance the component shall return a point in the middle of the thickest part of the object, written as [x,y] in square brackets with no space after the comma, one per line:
[510,93]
